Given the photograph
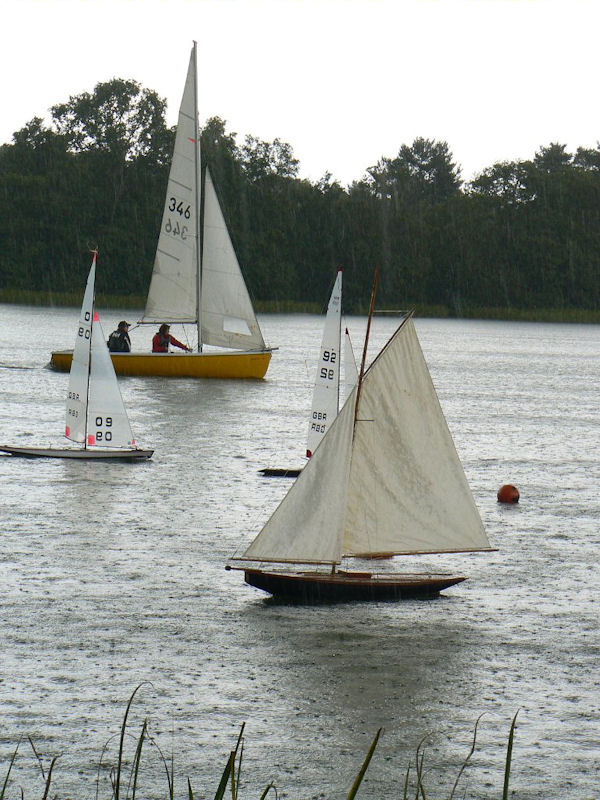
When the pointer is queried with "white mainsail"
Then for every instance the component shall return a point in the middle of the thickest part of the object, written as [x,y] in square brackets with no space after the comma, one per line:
[96,416]
[391,482]
[173,289]
[228,319]
[189,285]
[108,425]
[326,394]
[77,392]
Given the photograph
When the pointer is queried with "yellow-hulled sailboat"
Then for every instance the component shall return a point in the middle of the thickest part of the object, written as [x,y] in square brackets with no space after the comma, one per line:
[196,277]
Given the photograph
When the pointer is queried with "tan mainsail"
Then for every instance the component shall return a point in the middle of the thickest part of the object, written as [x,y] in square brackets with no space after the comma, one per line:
[391,482]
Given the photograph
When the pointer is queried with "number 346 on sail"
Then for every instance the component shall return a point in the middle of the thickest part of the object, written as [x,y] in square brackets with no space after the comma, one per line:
[177,229]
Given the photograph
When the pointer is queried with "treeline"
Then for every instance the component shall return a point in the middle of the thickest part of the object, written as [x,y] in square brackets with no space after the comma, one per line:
[523,235]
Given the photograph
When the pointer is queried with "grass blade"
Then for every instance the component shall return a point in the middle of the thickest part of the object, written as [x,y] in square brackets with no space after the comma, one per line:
[137,759]
[47,789]
[10,766]
[225,777]
[122,739]
[363,769]
[509,757]
[466,761]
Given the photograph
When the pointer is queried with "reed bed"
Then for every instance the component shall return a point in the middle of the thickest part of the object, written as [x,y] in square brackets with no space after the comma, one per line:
[125,773]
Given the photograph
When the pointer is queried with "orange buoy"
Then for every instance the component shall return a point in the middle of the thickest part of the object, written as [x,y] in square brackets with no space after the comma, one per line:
[508,494]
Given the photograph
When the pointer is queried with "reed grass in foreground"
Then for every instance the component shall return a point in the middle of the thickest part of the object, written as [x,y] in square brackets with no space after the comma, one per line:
[124,774]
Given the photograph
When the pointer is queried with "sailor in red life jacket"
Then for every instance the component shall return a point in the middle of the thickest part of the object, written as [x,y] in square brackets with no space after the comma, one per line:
[162,340]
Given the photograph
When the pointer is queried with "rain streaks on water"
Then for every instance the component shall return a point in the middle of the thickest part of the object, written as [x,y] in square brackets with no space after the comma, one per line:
[113,575]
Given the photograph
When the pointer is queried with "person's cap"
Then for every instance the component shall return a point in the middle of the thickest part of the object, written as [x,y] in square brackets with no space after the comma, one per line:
[122,324]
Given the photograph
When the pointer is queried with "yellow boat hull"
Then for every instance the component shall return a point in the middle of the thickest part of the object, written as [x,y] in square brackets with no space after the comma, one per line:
[236,364]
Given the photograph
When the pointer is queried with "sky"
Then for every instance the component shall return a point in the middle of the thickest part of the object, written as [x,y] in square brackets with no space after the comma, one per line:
[345,82]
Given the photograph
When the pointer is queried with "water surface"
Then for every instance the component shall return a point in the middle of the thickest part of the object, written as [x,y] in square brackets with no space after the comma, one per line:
[113,575]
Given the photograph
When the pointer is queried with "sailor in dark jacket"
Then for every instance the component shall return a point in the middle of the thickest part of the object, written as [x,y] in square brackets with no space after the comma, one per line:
[119,341]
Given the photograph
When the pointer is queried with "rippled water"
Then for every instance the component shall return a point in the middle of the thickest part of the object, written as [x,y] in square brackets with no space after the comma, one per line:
[112,575]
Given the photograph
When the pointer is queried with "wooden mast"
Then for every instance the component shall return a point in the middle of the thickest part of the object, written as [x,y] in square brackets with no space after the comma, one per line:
[364,355]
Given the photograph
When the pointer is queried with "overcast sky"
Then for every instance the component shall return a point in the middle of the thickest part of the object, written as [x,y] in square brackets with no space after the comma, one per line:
[343,81]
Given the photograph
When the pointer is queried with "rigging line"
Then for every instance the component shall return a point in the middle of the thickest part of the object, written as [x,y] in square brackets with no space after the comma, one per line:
[87,391]
[364,355]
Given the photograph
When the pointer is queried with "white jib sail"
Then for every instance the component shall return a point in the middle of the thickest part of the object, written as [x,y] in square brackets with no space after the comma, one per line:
[228,319]
[77,393]
[326,394]
[407,491]
[350,368]
[108,425]
[173,288]
[398,487]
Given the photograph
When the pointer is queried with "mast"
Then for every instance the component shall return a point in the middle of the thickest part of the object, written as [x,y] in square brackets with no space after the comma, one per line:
[339,355]
[364,355]
[87,390]
[197,201]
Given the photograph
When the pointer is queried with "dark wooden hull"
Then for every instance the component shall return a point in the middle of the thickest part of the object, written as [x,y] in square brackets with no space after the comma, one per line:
[87,454]
[316,587]
[280,472]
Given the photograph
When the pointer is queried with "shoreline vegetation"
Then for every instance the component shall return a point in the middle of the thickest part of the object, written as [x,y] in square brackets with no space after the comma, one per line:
[28,297]
[520,241]
[125,775]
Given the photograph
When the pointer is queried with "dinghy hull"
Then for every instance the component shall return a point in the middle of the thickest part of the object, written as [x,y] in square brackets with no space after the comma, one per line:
[315,587]
[91,455]
[237,364]
[280,472]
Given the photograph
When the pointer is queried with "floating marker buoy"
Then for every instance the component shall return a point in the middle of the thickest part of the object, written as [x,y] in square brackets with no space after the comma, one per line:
[508,494]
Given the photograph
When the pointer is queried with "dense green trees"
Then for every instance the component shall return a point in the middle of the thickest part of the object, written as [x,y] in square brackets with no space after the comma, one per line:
[522,235]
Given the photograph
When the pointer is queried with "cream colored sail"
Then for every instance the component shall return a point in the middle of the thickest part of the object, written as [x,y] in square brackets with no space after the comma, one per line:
[173,289]
[407,492]
[396,487]
[228,319]
[307,525]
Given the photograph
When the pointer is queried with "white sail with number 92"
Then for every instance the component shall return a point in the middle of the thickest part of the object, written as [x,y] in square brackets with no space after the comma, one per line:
[327,381]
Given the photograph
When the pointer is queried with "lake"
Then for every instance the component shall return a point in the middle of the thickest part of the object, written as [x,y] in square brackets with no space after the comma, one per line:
[113,576]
